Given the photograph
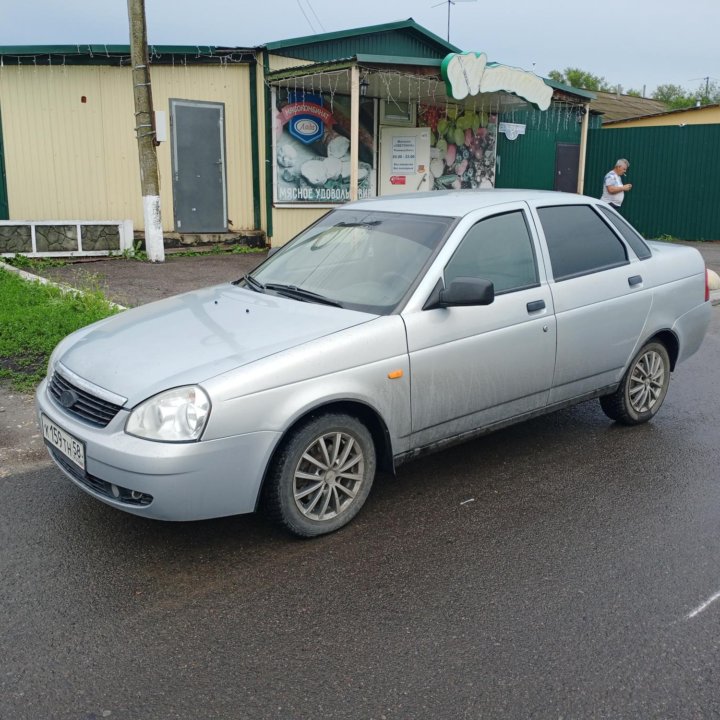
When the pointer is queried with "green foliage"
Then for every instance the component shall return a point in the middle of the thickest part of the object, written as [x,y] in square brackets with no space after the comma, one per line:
[33,318]
[138,254]
[23,262]
[577,78]
[677,97]
[134,253]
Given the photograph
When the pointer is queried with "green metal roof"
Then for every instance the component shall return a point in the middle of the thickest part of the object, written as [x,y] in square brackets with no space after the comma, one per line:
[404,38]
[588,94]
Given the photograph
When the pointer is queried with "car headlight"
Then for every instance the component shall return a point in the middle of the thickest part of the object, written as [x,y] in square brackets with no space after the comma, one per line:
[177,415]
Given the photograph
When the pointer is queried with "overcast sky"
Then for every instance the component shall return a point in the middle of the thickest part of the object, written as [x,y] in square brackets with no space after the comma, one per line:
[638,43]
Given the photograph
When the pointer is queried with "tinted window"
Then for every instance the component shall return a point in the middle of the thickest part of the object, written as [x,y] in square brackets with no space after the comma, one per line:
[579,241]
[632,238]
[498,248]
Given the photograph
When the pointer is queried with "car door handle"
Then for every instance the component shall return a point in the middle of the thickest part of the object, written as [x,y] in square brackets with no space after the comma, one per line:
[635,280]
[535,306]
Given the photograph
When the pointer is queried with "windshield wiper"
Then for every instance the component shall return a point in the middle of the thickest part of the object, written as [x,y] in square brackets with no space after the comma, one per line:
[365,223]
[254,284]
[301,294]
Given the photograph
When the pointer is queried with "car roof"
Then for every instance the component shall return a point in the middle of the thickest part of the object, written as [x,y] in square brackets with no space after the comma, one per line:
[456,203]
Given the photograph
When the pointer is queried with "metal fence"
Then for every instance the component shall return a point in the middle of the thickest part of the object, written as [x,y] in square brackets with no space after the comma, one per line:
[675,173]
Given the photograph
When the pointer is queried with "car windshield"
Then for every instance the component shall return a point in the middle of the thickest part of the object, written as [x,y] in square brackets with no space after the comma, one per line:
[359,260]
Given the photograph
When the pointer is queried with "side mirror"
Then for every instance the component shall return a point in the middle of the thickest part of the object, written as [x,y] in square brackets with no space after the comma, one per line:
[462,291]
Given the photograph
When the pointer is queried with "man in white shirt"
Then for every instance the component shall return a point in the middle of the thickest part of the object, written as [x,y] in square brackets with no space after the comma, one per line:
[613,188]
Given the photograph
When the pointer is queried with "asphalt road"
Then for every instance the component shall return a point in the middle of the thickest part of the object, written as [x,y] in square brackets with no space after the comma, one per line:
[563,568]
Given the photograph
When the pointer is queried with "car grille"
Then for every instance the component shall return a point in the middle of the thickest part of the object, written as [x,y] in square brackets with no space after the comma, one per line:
[80,403]
[101,487]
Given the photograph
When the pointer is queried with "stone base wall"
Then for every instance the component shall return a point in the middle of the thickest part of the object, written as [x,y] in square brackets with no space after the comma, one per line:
[64,238]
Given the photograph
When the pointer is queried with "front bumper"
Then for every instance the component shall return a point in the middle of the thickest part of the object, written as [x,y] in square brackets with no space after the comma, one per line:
[164,481]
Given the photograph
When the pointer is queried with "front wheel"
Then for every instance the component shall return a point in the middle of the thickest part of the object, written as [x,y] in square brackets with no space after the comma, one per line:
[321,476]
[643,387]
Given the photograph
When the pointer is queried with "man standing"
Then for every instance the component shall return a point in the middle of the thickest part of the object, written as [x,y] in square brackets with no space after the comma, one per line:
[613,188]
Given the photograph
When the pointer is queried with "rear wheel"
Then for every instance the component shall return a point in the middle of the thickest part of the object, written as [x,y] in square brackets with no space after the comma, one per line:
[321,476]
[643,387]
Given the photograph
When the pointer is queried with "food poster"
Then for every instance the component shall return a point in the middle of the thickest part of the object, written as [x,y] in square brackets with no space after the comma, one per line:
[312,148]
[463,146]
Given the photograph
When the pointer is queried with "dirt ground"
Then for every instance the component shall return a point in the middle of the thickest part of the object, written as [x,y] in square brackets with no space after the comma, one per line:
[131,283]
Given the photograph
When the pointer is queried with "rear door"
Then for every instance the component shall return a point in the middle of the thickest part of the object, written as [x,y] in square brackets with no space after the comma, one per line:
[474,366]
[198,160]
[600,298]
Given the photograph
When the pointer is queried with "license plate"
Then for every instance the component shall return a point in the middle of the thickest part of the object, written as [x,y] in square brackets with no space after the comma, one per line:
[69,446]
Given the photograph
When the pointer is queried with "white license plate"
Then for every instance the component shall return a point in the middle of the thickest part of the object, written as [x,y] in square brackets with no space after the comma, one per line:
[63,441]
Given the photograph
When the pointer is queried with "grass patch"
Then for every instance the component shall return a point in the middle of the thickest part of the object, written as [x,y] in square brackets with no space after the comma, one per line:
[33,318]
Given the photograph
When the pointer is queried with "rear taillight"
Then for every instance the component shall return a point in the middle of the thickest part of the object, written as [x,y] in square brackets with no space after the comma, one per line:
[707,285]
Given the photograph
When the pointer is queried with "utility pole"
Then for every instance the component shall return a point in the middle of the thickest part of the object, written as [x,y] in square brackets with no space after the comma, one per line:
[145,131]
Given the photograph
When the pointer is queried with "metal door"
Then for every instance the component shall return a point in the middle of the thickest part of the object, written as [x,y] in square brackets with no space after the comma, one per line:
[567,159]
[198,158]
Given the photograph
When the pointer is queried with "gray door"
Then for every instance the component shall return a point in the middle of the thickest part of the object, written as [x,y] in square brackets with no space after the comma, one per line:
[567,159]
[198,158]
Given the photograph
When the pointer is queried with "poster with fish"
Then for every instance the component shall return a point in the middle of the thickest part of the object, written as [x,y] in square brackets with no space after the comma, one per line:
[312,148]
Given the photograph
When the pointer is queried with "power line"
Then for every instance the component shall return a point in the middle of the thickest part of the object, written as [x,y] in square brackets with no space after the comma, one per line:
[322,27]
[302,10]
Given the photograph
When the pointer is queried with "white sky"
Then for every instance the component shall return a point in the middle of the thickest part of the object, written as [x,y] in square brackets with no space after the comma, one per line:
[636,43]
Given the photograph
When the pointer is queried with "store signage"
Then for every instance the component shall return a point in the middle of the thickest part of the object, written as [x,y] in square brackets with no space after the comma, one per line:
[306,117]
[404,155]
[471,74]
[397,179]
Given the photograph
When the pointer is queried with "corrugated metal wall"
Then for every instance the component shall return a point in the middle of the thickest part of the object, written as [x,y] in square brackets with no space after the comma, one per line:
[529,160]
[675,172]
[68,159]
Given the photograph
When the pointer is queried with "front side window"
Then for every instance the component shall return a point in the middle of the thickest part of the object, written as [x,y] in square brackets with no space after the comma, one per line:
[499,249]
[360,260]
[579,242]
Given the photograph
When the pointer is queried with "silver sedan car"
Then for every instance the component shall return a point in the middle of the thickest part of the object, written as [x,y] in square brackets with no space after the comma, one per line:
[390,328]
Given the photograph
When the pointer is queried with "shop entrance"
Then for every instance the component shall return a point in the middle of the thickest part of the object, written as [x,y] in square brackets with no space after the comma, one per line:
[198,162]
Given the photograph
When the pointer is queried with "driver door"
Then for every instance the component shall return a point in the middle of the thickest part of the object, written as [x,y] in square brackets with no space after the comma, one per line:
[476,366]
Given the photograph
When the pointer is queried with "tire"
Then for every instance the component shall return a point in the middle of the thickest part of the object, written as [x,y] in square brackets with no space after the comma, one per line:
[642,389]
[321,476]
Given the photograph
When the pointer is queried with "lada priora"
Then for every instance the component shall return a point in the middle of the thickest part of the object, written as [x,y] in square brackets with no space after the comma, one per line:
[389,328]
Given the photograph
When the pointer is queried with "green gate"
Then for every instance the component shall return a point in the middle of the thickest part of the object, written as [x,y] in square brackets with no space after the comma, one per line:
[675,173]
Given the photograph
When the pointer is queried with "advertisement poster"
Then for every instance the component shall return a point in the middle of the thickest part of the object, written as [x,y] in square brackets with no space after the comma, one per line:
[312,148]
[464,144]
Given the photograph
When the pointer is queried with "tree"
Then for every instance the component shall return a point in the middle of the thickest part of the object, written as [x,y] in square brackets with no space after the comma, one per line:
[575,77]
[674,96]
[677,97]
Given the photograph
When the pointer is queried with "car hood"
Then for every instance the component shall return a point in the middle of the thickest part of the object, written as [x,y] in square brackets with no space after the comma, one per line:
[195,336]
